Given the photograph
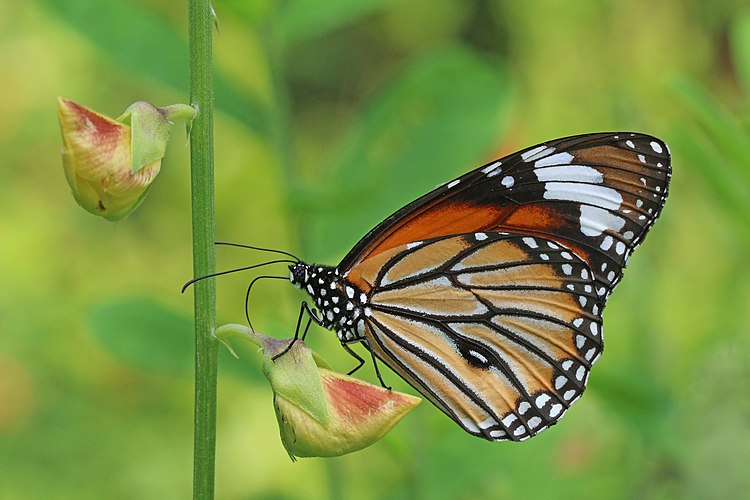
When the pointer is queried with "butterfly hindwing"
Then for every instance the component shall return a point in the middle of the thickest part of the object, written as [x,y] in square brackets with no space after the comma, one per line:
[498,330]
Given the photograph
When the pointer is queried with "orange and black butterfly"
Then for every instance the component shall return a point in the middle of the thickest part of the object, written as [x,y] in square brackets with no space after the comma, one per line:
[486,294]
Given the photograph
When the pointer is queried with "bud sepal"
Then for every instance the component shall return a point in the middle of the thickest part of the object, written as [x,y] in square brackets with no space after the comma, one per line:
[322,413]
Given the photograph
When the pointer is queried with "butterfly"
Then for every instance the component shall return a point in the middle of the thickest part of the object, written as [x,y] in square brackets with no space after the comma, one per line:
[486,294]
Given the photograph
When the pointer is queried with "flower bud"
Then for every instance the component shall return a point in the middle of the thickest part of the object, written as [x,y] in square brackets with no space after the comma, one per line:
[110,164]
[322,413]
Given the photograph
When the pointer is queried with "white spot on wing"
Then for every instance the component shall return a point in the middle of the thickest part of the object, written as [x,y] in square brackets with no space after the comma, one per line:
[508,420]
[595,220]
[555,410]
[600,196]
[478,356]
[531,242]
[656,146]
[508,181]
[489,168]
[569,173]
[537,152]
[497,434]
[542,400]
[453,183]
[556,159]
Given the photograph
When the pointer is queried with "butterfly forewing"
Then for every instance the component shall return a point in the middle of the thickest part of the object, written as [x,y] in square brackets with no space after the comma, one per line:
[498,330]
[596,194]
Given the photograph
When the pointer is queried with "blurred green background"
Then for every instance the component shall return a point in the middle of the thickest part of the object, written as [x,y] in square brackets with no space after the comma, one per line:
[331,115]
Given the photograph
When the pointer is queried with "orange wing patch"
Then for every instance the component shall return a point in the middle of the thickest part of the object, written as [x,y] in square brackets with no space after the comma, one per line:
[442,220]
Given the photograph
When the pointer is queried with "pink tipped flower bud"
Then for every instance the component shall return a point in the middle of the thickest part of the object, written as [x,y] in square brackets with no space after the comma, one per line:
[110,164]
[322,413]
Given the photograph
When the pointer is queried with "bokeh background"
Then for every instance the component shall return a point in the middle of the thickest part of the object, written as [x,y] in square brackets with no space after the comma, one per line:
[331,115]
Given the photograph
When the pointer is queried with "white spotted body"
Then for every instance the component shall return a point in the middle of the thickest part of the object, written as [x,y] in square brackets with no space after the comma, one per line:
[341,304]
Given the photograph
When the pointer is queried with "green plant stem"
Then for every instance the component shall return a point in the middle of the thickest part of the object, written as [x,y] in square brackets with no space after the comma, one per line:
[202,184]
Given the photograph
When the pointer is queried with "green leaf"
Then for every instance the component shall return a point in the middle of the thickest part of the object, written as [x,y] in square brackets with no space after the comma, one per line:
[302,20]
[142,332]
[439,118]
[141,44]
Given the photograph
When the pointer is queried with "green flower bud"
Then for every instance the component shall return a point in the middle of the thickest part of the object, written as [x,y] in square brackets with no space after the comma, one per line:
[322,413]
[110,164]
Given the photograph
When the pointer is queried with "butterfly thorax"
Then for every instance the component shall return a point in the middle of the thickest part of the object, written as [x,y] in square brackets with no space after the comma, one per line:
[341,304]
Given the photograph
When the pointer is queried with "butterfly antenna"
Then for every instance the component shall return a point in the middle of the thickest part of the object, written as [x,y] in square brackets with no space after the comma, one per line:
[247,295]
[261,249]
[221,273]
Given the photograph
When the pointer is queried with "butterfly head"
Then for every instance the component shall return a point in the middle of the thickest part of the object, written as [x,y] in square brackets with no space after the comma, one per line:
[299,274]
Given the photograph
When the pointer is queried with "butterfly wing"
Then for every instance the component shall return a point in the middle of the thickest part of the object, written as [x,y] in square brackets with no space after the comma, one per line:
[596,194]
[498,330]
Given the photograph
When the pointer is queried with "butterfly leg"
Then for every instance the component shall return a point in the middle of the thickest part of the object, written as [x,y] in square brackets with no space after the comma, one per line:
[355,356]
[375,364]
[312,316]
